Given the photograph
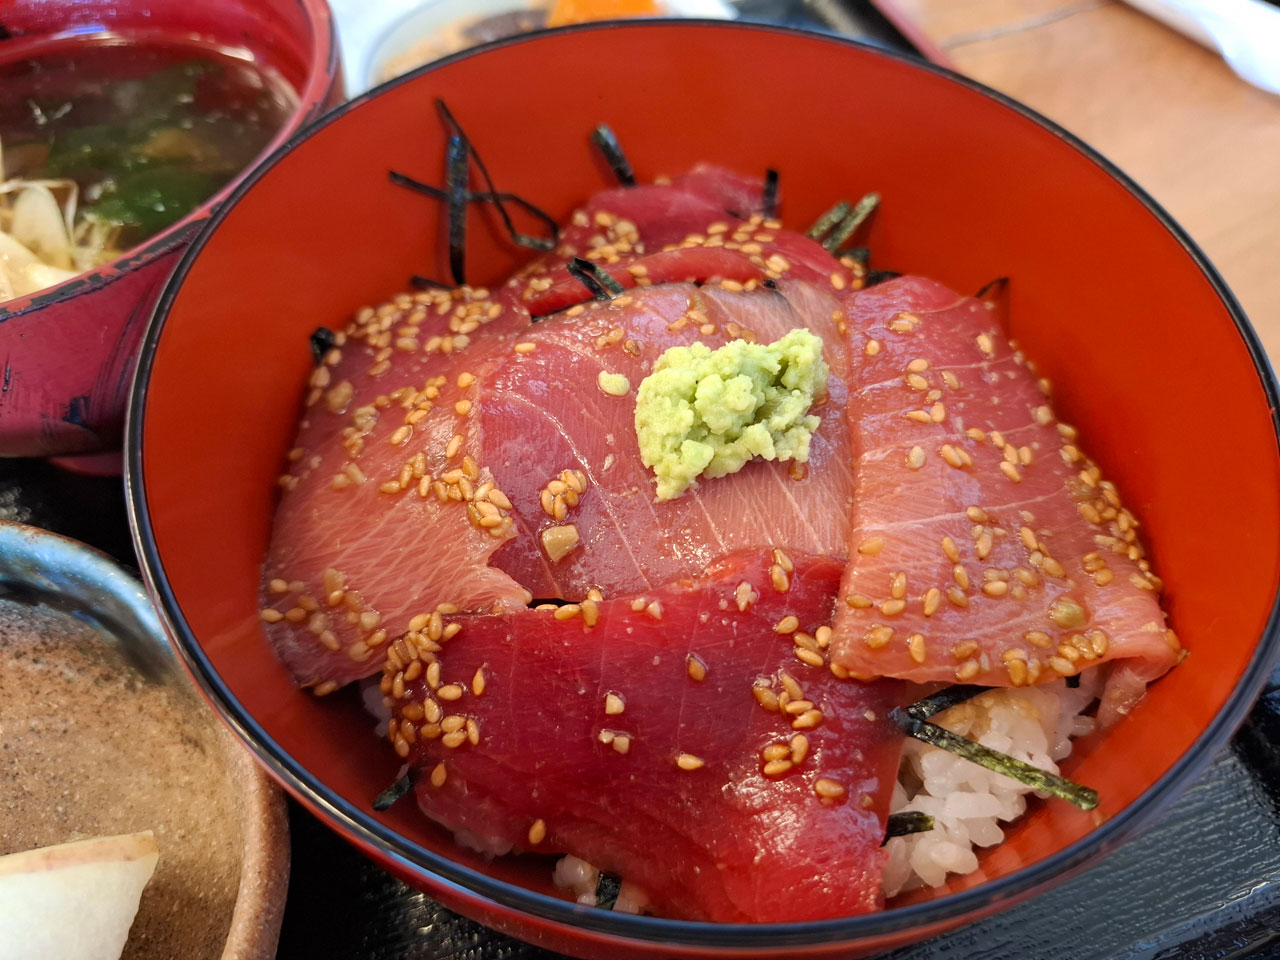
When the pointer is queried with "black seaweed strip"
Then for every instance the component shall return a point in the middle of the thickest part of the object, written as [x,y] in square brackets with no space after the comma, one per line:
[607,889]
[388,797]
[880,276]
[419,282]
[930,733]
[824,224]
[769,201]
[993,289]
[595,279]
[844,230]
[606,142]
[944,699]
[906,822]
[456,187]
[322,339]
[498,197]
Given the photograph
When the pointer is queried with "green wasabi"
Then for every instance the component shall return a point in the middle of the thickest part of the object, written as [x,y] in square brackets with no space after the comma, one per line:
[705,413]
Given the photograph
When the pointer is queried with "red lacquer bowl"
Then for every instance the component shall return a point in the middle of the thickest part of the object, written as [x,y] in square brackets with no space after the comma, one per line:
[1150,354]
[69,350]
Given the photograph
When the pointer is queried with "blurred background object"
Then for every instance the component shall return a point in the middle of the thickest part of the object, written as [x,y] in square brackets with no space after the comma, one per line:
[1245,32]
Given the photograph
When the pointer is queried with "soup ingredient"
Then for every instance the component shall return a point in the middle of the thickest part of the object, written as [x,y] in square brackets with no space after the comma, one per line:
[97,882]
[678,720]
[108,141]
[986,547]
[704,412]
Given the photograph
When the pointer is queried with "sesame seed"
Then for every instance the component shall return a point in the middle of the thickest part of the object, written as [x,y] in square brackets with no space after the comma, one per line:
[654,609]
[567,612]
[687,761]
[957,597]
[807,720]
[525,346]
[950,549]
[537,832]
[932,600]
[968,670]
[778,576]
[871,546]
[915,458]
[915,647]
[792,686]
[877,637]
[1010,471]
[621,743]
[828,789]
[891,608]
[1062,666]
[614,704]
[696,667]
[811,657]
[985,344]
[776,768]
[964,650]
[765,697]
[788,624]
[995,588]
[872,348]
[937,413]
[270,615]
[451,691]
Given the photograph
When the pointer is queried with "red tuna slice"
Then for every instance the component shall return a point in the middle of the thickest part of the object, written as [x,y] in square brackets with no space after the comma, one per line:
[635,734]
[356,550]
[985,546]
[701,258]
[701,227]
[545,419]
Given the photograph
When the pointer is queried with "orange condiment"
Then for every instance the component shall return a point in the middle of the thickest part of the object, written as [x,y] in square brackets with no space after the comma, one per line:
[579,11]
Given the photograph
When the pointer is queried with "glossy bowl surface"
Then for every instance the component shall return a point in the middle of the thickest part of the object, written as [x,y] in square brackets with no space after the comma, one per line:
[1150,355]
[219,892]
[69,350]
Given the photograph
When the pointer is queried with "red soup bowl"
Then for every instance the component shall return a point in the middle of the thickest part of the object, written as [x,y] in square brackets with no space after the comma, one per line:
[69,350]
[1149,352]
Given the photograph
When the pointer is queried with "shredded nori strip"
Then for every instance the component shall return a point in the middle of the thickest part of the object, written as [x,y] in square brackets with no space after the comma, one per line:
[769,282]
[597,280]
[856,217]
[455,180]
[388,797]
[606,142]
[1073,681]
[521,239]
[993,289]
[498,198]
[930,733]
[825,223]
[860,255]
[607,889]
[769,200]
[322,339]
[908,821]
[944,699]
[880,276]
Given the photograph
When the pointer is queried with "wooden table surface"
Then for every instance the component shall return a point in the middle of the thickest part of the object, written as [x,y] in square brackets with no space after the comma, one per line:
[1169,112]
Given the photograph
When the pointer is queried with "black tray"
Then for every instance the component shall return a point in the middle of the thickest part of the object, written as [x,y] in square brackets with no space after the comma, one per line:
[1203,882]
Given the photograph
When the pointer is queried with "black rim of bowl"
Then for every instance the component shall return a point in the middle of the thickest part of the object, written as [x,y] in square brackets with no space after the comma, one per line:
[412,858]
[183,230]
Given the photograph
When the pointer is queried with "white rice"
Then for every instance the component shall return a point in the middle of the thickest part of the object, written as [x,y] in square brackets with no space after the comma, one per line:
[580,878]
[967,802]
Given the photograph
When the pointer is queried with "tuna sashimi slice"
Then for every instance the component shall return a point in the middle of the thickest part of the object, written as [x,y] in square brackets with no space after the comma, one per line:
[674,738]
[372,529]
[985,546]
[702,227]
[546,420]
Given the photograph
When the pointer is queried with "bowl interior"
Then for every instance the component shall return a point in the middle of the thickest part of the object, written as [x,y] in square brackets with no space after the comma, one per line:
[1144,353]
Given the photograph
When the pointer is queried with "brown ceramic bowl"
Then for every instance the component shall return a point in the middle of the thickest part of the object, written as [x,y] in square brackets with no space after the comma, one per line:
[103,733]
[69,349]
